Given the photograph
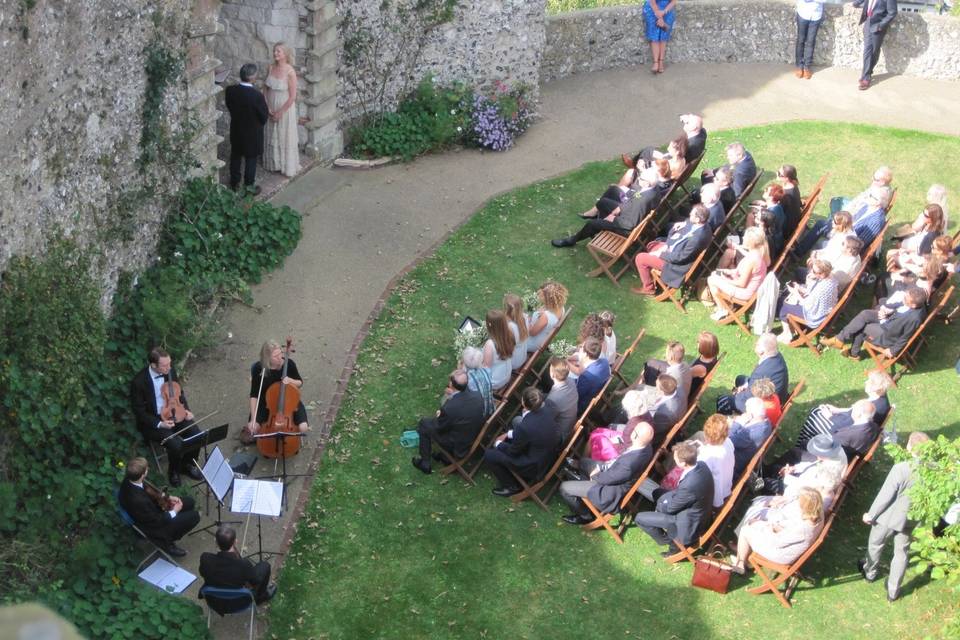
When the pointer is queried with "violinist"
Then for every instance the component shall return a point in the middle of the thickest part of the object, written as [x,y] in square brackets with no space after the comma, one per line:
[161,410]
[263,374]
[164,519]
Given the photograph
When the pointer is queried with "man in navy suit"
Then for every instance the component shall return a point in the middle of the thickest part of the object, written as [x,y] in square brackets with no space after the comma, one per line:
[771,365]
[528,450]
[593,376]
[674,255]
[248,115]
[741,165]
[681,514]
[875,17]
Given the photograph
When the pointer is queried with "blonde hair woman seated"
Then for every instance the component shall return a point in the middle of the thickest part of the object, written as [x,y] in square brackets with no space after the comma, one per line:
[553,299]
[741,283]
[498,349]
[781,534]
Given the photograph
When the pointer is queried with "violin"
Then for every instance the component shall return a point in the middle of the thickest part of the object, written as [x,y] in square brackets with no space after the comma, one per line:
[173,408]
[159,496]
[282,401]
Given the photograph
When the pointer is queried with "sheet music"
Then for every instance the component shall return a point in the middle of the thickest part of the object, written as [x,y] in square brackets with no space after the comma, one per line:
[221,481]
[244,493]
[259,497]
[214,460]
[168,577]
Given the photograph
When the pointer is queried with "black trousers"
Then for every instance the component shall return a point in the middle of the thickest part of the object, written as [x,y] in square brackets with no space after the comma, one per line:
[865,325]
[249,170]
[181,525]
[499,465]
[593,227]
[261,572]
[871,49]
[179,457]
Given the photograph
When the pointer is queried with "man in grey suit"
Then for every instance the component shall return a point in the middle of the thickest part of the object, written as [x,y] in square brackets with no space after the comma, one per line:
[562,399]
[888,517]
[667,410]
[875,16]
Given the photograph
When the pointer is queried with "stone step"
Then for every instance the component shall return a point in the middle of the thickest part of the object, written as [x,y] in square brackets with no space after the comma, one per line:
[319,123]
[320,52]
[207,66]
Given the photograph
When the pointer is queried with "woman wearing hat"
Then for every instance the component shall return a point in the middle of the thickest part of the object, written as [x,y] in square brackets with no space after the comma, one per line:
[799,468]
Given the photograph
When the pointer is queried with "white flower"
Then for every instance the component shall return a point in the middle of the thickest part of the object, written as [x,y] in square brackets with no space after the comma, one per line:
[177,254]
[453,112]
[229,335]
[459,129]
[219,236]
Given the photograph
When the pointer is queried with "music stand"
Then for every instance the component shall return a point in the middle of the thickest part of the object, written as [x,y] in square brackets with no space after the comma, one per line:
[204,439]
[258,497]
[218,476]
[279,437]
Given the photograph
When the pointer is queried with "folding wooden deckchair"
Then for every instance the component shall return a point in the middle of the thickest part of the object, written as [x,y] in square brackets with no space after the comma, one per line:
[550,481]
[807,336]
[859,461]
[669,210]
[608,248]
[907,356]
[666,291]
[615,370]
[736,491]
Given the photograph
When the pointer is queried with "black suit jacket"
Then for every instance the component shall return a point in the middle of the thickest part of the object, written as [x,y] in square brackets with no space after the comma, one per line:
[248,114]
[534,444]
[229,571]
[143,401]
[718,214]
[459,422]
[691,502]
[856,438]
[696,145]
[728,198]
[636,208]
[743,172]
[611,485]
[679,258]
[883,13]
[144,511]
[774,368]
[898,328]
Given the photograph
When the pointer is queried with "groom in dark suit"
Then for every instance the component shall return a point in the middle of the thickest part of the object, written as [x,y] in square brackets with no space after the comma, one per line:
[875,17]
[248,114]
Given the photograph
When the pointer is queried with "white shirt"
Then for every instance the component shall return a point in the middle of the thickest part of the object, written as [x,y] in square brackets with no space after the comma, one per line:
[719,459]
[810,9]
[157,379]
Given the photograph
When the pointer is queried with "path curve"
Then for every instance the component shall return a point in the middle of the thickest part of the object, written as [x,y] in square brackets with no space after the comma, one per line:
[361,228]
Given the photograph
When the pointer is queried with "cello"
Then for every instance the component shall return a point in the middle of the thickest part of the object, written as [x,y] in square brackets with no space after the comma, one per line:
[282,401]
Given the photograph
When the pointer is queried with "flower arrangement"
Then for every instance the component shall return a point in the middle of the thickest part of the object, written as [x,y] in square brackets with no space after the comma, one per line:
[562,348]
[499,118]
[471,338]
[531,300]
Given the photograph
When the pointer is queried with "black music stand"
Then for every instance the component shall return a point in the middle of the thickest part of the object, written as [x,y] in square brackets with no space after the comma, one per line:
[279,437]
[261,498]
[202,440]
[218,477]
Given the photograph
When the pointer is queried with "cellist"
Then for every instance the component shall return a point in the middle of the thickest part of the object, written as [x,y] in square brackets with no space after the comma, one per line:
[149,393]
[264,373]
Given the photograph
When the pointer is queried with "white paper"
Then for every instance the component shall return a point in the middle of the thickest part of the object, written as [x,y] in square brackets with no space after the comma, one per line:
[259,497]
[218,474]
[168,577]
[214,460]
[244,492]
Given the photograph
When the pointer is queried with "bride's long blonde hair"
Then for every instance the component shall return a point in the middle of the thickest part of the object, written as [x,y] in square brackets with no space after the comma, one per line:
[287,52]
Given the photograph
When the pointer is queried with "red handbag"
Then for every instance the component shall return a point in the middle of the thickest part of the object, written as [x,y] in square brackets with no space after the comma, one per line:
[711,573]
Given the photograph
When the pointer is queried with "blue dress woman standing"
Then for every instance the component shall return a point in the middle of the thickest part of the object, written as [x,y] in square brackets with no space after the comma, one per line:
[659,16]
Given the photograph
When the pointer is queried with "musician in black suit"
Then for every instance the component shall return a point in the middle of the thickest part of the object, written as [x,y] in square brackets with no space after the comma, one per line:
[146,400]
[529,449]
[229,570]
[889,326]
[875,17]
[248,115]
[624,218]
[682,513]
[674,255]
[456,424]
[162,526]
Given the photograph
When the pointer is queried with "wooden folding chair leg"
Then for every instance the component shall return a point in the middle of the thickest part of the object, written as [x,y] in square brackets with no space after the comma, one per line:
[601,520]
[684,552]
[455,465]
[527,491]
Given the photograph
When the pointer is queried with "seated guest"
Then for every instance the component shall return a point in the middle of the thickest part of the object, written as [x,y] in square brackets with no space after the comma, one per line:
[623,218]
[591,327]
[767,392]
[887,327]
[812,302]
[606,444]
[776,228]
[456,424]
[791,201]
[784,534]
[675,156]
[741,166]
[723,178]
[770,365]
[708,348]
[748,432]
[674,255]
[882,177]
[227,569]
[609,337]
[682,513]
[606,487]
[936,194]
[845,264]
[920,241]
[594,374]
[695,138]
[665,177]
[673,366]
[528,450]
[562,399]
[163,525]
[498,349]
[797,467]
[478,378]
[710,198]
[832,245]
[825,418]
[856,438]
[868,221]
[717,452]
[553,299]
[666,410]
[742,283]
[517,321]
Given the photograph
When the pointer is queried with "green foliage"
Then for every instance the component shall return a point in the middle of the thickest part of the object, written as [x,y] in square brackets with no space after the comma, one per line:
[162,68]
[563,6]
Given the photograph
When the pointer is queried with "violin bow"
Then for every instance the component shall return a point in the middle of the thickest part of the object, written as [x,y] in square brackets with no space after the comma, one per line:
[192,424]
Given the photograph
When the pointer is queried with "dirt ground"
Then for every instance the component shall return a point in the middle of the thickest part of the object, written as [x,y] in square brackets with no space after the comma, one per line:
[362,227]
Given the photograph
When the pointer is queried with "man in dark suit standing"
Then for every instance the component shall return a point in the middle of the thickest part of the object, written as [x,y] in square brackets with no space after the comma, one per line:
[875,17]
[456,424]
[682,513]
[888,327]
[248,115]
[163,526]
[623,219]
[675,254]
[528,450]
[146,400]
[229,570]
[770,365]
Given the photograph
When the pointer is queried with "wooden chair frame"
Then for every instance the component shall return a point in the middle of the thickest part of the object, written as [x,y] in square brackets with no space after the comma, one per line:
[717,242]
[666,291]
[615,370]
[680,183]
[737,491]
[608,248]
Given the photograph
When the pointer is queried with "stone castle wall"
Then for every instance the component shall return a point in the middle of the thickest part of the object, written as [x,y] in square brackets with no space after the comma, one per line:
[925,45]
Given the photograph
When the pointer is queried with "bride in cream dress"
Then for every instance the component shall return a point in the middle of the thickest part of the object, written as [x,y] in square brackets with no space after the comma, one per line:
[281,152]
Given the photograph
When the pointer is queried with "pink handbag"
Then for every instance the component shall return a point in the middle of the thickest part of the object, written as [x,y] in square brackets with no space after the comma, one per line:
[603,444]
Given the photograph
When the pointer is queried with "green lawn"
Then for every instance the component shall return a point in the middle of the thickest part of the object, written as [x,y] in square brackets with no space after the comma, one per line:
[562,6]
[385,552]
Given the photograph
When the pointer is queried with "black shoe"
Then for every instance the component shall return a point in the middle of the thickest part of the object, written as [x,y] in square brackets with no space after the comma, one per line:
[422,465]
[575,474]
[442,459]
[194,473]
[575,519]
[174,478]
[505,492]
[669,552]
[271,591]
[175,551]
[861,567]
[563,242]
